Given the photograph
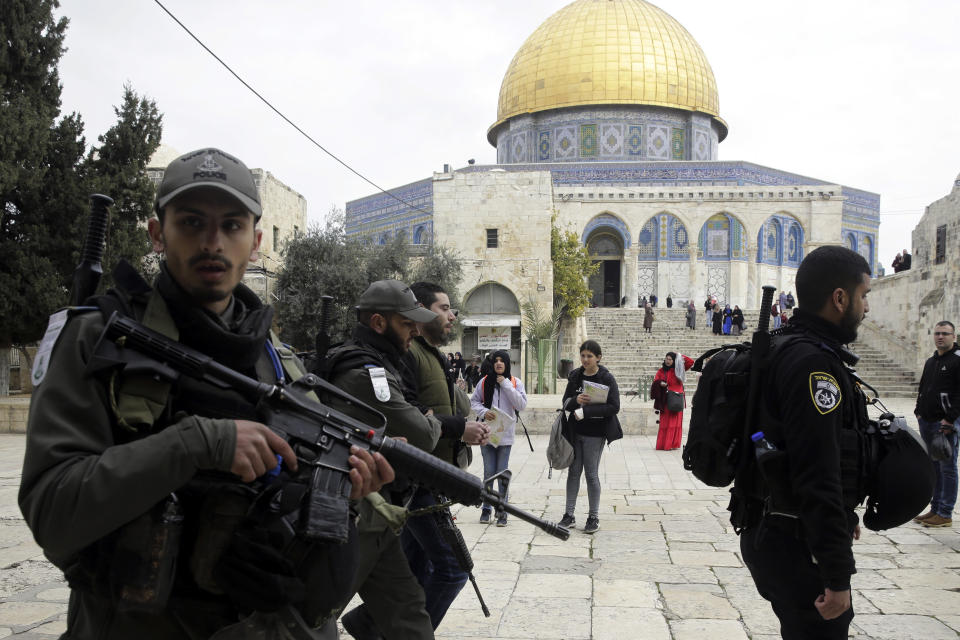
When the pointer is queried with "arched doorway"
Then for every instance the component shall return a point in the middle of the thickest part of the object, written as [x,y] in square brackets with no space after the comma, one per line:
[605,248]
[491,321]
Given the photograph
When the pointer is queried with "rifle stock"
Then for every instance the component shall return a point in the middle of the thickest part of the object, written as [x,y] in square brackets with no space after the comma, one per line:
[321,435]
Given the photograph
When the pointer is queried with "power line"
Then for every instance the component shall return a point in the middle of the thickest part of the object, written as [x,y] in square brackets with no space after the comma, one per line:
[285,118]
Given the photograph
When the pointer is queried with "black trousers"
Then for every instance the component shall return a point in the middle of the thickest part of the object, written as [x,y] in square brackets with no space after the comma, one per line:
[783,570]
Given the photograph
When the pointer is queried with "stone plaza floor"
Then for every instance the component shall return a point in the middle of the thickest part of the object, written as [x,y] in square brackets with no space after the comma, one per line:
[664,565]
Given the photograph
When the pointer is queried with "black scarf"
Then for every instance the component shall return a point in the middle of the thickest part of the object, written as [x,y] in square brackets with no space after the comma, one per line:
[238,347]
[367,337]
[664,365]
[490,381]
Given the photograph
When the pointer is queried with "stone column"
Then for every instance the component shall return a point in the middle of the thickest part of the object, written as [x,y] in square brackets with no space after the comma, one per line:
[696,290]
[630,273]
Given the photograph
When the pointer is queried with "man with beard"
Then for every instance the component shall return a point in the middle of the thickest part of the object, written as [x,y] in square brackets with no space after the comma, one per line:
[368,367]
[429,386]
[800,553]
[110,449]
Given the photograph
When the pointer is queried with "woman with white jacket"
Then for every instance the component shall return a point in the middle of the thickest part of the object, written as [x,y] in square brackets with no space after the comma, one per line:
[507,394]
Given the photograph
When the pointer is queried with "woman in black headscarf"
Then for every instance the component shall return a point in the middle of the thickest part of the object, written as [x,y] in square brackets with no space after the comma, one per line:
[498,389]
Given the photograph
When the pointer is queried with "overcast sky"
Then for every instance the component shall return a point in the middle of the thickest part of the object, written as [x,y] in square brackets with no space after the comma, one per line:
[864,93]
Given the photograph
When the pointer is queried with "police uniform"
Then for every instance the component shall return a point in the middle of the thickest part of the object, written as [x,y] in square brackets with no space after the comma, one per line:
[103,450]
[804,544]
[367,367]
[124,473]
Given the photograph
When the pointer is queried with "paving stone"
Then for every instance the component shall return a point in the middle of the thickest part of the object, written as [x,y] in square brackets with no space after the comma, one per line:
[27,613]
[54,628]
[616,623]
[557,564]
[939,578]
[686,602]
[914,600]
[532,617]
[560,551]
[625,593]
[903,627]
[552,585]
[713,629]
[705,558]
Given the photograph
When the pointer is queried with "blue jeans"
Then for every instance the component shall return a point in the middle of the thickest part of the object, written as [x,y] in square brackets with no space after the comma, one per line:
[495,459]
[586,459]
[945,490]
[776,321]
[431,559]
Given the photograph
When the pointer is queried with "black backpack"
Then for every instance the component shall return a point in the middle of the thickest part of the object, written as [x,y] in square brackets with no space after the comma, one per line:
[718,414]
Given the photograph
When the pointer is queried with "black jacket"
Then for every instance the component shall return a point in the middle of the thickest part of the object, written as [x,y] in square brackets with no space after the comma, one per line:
[599,420]
[810,397]
[939,396]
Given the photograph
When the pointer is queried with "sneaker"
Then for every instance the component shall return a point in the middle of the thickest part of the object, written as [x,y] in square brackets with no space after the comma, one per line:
[593,523]
[924,516]
[567,520]
[502,519]
[937,521]
[485,516]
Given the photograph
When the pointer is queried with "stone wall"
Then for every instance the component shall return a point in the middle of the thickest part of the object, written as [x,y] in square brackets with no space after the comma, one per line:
[519,205]
[908,304]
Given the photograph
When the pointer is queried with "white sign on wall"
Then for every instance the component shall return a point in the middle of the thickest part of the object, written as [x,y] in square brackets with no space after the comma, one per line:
[493,338]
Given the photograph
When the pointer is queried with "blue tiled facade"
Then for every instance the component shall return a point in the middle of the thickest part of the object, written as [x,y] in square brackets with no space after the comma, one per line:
[380,216]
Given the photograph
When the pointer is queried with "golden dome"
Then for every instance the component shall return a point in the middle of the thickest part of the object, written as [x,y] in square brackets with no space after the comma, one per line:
[609,52]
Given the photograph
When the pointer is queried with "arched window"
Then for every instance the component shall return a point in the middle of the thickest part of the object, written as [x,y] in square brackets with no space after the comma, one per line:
[604,243]
[418,235]
[722,237]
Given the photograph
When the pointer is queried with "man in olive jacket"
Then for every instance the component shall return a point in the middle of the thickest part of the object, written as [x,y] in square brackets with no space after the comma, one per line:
[368,367]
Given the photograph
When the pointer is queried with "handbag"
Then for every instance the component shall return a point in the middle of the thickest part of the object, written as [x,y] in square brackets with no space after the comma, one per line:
[559,449]
[675,401]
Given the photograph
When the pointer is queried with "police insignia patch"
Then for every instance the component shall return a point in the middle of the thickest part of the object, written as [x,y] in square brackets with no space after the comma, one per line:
[378,378]
[825,392]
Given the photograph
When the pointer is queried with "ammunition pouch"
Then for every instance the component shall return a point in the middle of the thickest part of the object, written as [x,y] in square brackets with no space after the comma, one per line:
[135,566]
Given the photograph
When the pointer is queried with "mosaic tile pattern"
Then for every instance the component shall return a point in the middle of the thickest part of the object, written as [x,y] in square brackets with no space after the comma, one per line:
[588,140]
[658,145]
[678,139]
[634,141]
[701,145]
[566,147]
[543,146]
[611,139]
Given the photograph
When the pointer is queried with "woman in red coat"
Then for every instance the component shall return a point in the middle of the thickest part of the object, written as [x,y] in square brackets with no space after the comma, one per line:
[669,378]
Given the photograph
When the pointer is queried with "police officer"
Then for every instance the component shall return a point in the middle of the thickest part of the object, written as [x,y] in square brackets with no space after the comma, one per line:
[104,449]
[801,553]
[430,387]
[368,367]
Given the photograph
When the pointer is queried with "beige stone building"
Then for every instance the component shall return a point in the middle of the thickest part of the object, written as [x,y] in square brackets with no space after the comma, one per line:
[284,214]
[608,117]
[906,306]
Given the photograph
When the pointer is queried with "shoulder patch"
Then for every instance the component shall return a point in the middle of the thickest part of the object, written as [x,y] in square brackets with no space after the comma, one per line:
[42,359]
[378,379]
[825,392]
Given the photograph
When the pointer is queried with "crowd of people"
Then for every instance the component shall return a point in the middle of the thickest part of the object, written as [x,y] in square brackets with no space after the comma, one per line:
[177,513]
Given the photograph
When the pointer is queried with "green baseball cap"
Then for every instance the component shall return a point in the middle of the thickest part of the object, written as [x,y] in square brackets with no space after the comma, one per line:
[393,295]
[210,168]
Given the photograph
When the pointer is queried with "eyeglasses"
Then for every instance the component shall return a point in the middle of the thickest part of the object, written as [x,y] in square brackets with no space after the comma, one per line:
[943,333]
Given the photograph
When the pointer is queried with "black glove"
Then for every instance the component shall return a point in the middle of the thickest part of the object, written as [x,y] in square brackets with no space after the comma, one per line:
[255,575]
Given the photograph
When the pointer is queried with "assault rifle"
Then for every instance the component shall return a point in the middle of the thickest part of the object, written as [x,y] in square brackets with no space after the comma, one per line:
[320,435]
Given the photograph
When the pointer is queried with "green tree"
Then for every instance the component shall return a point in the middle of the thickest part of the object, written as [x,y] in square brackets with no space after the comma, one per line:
[117,168]
[440,265]
[324,261]
[41,195]
[571,268]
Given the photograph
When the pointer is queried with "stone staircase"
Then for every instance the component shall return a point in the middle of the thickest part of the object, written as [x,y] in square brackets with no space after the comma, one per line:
[633,355]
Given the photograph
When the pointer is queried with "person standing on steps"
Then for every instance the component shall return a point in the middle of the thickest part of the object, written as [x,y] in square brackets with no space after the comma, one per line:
[588,425]
[648,318]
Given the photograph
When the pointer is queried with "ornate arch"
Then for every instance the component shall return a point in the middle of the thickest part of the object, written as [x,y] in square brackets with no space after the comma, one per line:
[722,237]
[663,237]
[491,297]
[610,221]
